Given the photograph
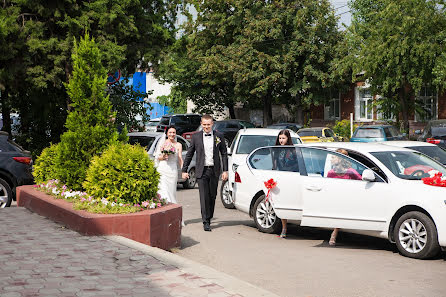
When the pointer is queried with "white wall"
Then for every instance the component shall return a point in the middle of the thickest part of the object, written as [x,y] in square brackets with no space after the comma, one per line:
[157,88]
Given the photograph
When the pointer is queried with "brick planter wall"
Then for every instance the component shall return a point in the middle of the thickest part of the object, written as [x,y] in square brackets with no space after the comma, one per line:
[160,227]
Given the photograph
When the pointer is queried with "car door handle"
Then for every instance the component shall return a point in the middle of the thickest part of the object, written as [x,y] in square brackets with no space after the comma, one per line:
[313,188]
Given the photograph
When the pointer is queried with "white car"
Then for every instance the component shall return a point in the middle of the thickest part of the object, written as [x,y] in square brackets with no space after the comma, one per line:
[151,125]
[244,143]
[387,200]
[429,149]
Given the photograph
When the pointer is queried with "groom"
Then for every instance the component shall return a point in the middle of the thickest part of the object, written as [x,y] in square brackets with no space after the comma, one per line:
[209,146]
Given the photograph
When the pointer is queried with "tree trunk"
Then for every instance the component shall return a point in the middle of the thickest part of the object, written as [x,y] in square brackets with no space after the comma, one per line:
[404,109]
[6,111]
[299,111]
[267,110]
[231,111]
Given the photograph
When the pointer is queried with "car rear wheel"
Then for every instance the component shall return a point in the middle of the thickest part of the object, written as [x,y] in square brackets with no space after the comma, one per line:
[191,181]
[265,217]
[226,195]
[416,236]
[5,194]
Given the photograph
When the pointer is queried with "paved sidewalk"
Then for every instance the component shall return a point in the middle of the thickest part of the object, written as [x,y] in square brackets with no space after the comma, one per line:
[41,258]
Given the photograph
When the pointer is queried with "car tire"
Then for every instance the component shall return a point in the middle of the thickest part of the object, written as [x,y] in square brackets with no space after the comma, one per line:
[226,195]
[5,194]
[265,217]
[191,181]
[421,244]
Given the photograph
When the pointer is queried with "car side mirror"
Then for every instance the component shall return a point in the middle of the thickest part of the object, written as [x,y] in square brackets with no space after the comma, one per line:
[417,132]
[368,175]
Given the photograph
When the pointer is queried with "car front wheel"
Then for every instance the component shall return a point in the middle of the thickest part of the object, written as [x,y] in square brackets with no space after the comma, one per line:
[265,217]
[5,194]
[416,236]
[191,181]
[226,195]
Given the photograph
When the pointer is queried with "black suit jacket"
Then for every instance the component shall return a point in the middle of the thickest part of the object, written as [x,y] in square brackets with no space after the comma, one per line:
[196,146]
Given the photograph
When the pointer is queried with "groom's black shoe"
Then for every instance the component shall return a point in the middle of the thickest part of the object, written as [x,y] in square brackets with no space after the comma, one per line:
[207,227]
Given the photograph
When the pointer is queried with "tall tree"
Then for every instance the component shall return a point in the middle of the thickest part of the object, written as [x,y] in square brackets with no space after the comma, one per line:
[397,45]
[271,51]
[129,33]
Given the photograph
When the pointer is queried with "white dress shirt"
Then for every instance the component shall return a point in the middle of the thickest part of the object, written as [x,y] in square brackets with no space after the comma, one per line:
[208,143]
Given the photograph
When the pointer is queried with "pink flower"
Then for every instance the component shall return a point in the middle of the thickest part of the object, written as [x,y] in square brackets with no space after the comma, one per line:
[158,205]
[145,203]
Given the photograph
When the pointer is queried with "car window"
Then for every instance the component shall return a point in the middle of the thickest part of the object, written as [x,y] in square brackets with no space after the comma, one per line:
[248,143]
[394,131]
[261,159]
[7,146]
[438,131]
[165,121]
[310,133]
[434,152]
[322,163]
[387,133]
[232,125]
[247,124]
[369,133]
[183,143]
[408,165]
[329,133]
[151,124]
[219,126]
[285,158]
[195,119]
[179,120]
[144,141]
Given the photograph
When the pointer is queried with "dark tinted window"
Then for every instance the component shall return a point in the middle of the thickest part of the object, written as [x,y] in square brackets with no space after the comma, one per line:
[9,146]
[179,120]
[165,121]
[232,125]
[219,126]
[369,133]
[387,132]
[195,119]
[247,125]
[144,141]
[329,133]
[438,131]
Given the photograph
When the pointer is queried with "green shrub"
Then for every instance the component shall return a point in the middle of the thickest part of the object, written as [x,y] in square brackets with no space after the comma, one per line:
[44,167]
[90,126]
[342,128]
[123,174]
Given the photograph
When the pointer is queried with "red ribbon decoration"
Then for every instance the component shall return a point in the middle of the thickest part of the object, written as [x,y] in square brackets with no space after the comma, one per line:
[435,180]
[270,184]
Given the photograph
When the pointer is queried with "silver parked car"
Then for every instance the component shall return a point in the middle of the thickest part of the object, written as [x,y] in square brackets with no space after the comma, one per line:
[149,140]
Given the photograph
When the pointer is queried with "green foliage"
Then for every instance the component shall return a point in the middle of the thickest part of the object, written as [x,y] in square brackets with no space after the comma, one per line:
[398,46]
[129,106]
[44,167]
[90,123]
[124,174]
[342,128]
[176,102]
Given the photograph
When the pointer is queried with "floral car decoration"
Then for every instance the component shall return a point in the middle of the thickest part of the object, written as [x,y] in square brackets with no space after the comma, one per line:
[435,178]
[269,184]
[84,201]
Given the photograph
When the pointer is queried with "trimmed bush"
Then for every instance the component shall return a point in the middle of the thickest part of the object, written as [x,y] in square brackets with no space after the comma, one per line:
[124,173]
[342,128]
[44,167]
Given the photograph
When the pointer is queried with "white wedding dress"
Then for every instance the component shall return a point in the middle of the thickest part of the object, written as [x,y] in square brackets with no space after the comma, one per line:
[168,170]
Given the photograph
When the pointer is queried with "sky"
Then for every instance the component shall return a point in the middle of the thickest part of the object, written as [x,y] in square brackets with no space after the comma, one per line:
[342,10]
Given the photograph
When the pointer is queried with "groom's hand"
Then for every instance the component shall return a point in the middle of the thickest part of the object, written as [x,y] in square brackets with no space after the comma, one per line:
[224,175]
[185,175]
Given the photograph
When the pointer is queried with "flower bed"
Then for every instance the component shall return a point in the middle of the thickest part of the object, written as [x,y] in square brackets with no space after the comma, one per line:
[158,227]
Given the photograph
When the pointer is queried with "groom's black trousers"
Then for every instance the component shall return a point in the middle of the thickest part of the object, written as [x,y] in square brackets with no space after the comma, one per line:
[207,185]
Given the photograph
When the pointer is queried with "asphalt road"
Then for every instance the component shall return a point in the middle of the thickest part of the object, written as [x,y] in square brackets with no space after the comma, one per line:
[304,264]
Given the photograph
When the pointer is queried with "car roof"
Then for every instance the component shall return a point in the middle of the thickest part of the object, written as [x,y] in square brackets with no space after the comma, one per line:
[155,120]
[368,147]
[147,133]
[407,143]
[264,131]
[313,129]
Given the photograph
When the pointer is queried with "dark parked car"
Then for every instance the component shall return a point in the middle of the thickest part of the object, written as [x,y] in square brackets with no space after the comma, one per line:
[182,122]
[15,169]
[229,128]
[434,132]
[292,126]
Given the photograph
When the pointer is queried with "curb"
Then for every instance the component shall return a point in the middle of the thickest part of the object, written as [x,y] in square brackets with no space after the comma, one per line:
[220,278]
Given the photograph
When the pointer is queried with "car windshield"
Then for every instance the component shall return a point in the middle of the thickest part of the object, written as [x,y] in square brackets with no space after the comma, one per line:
[408,165]
[153,123]
[247,125]
[248,143]
[438,131]
[310,133]
[144,141]
[434,152]
[369,133]
[165,121]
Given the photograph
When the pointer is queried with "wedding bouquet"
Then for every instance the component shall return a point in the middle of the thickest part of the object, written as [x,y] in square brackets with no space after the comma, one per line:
[168,148]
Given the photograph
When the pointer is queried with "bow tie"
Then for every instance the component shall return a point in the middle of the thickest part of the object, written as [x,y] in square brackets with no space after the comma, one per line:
[208,134]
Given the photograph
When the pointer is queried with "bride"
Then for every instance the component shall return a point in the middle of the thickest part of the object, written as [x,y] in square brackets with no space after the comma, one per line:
[168,156]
